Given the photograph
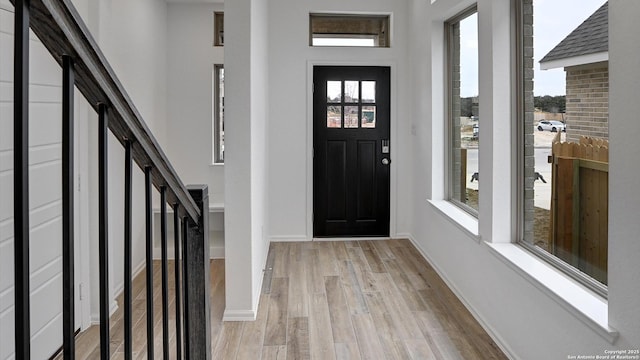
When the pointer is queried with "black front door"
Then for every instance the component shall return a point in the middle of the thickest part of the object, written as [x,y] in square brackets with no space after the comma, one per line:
[351,162]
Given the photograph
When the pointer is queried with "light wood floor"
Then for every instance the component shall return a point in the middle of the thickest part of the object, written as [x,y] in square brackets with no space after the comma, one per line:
[329,300]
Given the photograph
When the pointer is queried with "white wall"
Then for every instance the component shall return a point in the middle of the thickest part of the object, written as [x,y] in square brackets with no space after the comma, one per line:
[527,321]
[133,38]
[45,195]
[246,160]
[624,196]
[191,56]
[238,245]
[45,206]
[267,192]
[132,35]
[267,147]
[291,61]
[260,160]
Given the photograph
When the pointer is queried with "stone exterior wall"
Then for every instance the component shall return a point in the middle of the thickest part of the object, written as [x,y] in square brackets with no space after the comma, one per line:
[587,102]
[528,119]
[456,145]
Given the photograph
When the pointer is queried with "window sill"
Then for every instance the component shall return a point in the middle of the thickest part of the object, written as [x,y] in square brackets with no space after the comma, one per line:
[462,219]
[217,164]
[588,307]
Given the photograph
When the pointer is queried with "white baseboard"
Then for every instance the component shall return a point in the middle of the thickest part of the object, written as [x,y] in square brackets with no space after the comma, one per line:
[135,272]
[216,252]
[404,236]
[95,318]
[506,349]
[239,315]
[354,238]
[288,238]
[301,238]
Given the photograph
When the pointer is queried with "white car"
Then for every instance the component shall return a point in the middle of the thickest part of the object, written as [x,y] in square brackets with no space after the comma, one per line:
[552,125]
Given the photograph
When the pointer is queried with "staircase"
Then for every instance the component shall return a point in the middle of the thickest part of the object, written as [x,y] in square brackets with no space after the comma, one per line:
[61,30]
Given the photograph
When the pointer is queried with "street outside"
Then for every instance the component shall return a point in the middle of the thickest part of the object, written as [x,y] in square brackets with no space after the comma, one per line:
[542,150]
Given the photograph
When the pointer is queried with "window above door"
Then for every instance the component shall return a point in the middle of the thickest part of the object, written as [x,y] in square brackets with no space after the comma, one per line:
[349,30]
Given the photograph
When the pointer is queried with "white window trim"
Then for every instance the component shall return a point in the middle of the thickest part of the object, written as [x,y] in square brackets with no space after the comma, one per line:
[549,259]
[448,151]
[390,25]
[585,305]
[458,217]
[438,196]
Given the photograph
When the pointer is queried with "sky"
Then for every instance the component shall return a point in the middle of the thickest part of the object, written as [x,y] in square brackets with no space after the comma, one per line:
[553,20]
[351,89]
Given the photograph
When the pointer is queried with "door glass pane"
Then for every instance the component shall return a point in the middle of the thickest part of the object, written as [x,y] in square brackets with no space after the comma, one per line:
[368,91]
[334,116]
[350,116]
[334,89]
[368,116]
[351,91]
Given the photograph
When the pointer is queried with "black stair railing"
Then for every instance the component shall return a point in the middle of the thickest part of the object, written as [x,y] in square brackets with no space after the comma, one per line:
[66,37]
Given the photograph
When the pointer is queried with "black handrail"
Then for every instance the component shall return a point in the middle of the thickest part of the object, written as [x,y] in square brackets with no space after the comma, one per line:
[66,37]
[62,32]
[68,79]
[21,180]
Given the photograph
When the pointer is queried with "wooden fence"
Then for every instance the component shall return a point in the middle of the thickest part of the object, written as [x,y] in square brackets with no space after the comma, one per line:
[579,205]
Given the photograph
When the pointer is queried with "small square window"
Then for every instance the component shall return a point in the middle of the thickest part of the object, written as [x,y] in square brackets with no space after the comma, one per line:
[334,91]
[334,116]
[351,91]
[218,33]
[368,91]
[351,116]
[368,117]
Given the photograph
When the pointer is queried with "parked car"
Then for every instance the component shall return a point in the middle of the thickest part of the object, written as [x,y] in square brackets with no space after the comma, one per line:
[552,125]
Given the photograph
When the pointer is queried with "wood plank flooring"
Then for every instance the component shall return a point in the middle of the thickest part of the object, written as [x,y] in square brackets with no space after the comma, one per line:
[328,300]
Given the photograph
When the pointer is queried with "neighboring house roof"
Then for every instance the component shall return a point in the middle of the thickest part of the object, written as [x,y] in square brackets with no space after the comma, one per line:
[588,43]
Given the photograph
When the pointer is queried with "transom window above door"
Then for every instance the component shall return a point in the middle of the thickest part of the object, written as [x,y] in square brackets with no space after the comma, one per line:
[351,104]
[349,30]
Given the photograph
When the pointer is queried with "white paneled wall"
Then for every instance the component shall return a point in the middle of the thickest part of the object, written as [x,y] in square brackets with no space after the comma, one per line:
[45,194]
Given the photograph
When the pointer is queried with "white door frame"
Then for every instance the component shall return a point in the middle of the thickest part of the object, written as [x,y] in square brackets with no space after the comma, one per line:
[393,128]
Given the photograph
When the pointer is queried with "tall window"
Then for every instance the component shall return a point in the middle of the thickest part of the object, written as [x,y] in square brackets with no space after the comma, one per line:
[463,128]
[563,61]
[218,114]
